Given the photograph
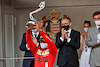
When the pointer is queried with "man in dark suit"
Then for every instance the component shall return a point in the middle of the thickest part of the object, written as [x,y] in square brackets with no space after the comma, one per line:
[68,40]
[24,47]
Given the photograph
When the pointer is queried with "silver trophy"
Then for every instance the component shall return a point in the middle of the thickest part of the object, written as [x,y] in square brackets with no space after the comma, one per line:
[32,20]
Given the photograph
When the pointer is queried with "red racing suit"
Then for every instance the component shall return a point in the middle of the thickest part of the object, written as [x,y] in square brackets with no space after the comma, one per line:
[43,57]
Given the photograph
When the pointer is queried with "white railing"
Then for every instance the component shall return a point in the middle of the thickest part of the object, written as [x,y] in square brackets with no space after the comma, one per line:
[17,58]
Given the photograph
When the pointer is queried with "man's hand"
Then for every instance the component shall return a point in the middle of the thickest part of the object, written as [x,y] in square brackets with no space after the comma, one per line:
[35,40]
[63,33]
[66,36]
[27,26]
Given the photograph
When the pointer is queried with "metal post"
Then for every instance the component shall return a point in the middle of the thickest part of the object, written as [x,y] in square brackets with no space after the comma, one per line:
[3,31]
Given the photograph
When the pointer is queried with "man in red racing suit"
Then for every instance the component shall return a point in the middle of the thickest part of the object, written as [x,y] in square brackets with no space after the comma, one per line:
[43,57]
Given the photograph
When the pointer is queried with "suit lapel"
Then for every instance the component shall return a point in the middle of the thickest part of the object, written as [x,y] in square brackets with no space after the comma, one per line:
[96,30]
[71,34]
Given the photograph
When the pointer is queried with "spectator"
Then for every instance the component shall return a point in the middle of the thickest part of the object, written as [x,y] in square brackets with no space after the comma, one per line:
[93,40]
[28,53]
[68,40]
[84,60]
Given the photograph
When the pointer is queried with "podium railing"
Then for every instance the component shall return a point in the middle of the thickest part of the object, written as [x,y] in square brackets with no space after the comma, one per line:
[17,58]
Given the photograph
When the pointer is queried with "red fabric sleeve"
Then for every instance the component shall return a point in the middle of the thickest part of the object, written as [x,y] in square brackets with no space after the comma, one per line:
[50,43]
[30,42]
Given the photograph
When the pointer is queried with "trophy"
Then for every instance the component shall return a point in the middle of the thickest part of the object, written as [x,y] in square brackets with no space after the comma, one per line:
[32,20]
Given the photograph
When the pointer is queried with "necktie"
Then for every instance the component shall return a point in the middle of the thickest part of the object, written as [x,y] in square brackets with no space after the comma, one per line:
[67,33]
[99,29]
[35,35]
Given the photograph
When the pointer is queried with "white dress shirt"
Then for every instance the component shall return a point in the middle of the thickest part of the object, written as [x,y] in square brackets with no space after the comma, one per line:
[35,33]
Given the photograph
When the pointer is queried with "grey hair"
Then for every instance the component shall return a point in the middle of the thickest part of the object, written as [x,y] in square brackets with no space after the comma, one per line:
[67,18]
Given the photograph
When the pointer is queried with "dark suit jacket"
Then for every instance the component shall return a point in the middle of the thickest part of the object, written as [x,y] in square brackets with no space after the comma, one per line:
[28,53]
[68,51]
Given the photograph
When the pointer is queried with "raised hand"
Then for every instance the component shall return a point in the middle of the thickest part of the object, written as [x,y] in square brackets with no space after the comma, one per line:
[63,33]
[34,40]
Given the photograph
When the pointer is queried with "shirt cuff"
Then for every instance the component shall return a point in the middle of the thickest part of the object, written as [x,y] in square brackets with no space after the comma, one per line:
[27,47]
[61,39]
[69,40]
[37,44]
